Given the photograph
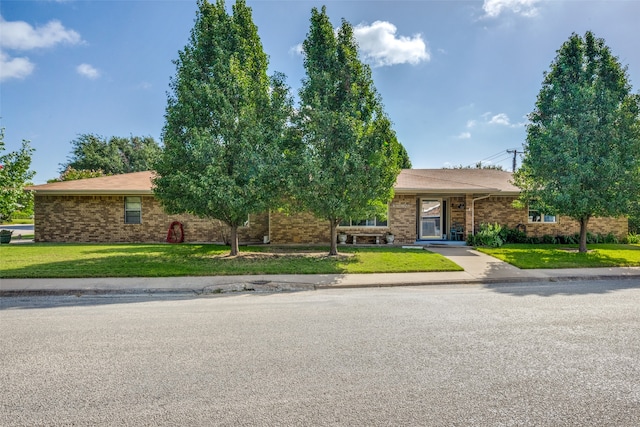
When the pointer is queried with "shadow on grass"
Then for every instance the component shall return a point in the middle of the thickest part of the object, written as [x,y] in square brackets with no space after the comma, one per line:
[558,256]
[168,261]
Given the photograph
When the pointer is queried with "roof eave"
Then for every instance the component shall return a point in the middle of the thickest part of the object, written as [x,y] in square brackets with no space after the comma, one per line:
[91,192]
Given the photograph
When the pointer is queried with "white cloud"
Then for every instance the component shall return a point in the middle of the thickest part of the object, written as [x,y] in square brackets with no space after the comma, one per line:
[296,50]
[14,68]
[464,135]
[380,45]
[20,35]
[500,119]
[88,71]
[471,123]
[493,8]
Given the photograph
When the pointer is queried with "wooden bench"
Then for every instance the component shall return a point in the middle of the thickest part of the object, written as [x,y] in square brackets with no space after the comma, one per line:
[376,235]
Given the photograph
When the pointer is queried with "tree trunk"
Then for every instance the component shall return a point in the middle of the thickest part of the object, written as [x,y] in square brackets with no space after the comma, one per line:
[583,235]
[234,240]
[334,238]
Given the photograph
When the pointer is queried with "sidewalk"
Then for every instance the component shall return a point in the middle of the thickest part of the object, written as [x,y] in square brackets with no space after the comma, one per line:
[478,268]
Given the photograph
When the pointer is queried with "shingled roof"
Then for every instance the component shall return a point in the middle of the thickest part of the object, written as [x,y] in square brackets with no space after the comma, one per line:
[127,183]
[440,181]
[455,181]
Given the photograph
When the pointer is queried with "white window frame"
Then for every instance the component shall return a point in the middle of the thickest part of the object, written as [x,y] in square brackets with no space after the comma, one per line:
[369,222]
[543,218]
[127,209]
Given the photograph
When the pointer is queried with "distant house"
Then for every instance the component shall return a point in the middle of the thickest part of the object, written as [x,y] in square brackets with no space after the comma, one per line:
[429,204]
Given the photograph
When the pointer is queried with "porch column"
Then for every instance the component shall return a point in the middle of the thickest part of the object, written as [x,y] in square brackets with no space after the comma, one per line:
[468,216]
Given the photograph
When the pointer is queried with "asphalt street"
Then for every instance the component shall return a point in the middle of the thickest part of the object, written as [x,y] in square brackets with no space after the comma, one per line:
[544,354]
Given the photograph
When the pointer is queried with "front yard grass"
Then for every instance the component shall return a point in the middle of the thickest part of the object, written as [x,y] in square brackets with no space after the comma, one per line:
[164,260]
[566,256]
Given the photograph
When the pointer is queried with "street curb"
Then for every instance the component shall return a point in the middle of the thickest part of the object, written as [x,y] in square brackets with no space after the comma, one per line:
[274,287]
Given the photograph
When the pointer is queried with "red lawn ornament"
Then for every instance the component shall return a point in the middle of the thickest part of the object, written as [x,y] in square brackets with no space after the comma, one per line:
[175,233]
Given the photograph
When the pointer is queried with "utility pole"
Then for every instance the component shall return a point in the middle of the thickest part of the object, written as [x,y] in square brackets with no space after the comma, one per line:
[515,153]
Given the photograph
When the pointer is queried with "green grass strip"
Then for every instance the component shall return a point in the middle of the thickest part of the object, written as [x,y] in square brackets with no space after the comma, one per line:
[163,260]
[567,256]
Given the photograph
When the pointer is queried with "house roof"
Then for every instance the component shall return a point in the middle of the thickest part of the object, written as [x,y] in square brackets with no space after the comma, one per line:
[128,183]
[447,181]
[424,181]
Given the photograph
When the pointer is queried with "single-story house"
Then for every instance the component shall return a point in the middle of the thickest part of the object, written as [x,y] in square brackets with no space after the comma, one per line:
[429,204]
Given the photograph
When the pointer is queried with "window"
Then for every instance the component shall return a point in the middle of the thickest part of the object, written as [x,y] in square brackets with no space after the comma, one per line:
[132,210]
[537,216]
[369,222]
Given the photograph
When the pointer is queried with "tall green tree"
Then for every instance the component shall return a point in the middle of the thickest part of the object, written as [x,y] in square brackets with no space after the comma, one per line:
[71,174]
[14,176]
[582,153]
[349,151]
[112,156]
[225,123]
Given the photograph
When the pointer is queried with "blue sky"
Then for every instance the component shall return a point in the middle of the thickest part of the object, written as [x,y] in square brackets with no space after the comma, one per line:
[457,77]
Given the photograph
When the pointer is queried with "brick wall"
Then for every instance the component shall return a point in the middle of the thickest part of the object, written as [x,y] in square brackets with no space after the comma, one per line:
[500,210]
[403,218]
[101,219]
[496,209]
[298,228]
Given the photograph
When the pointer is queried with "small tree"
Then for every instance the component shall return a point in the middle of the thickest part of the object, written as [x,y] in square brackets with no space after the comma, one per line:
[14,176]
[582,153]
[348,149]
[225,123]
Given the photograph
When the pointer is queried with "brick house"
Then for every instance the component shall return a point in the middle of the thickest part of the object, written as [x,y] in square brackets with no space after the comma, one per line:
[429,204]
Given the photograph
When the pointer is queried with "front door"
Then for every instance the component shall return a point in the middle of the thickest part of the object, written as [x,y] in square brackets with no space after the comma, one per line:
[431,219]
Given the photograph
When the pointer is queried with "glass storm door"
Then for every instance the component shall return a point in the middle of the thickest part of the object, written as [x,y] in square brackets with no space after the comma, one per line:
[430,219]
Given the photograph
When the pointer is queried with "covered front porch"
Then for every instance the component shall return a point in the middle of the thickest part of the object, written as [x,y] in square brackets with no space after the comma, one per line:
[443,218]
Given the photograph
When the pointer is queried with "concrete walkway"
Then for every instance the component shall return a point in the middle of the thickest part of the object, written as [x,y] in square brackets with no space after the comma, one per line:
[478,268]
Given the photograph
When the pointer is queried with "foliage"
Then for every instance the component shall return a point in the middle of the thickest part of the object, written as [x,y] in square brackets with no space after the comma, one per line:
[71,174]
[633,238]
[582,151]
[348,154]
[567,256]
[478,165]
[161,260]
[14,176]
[491,235]
[225,123]
[113,156]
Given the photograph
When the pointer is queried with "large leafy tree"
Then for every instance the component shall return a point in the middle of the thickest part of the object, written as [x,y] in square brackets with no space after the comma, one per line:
[14,176]
[348,150]
[225,121]
[112,156]
[582,151]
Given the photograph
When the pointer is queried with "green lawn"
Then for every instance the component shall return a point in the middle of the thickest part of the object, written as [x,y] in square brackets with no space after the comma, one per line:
[17,222]
[566,256]
[164,260]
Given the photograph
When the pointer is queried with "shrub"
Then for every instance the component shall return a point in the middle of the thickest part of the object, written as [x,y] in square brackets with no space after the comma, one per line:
[549,240]
[633,238]
[489,235]
[514,235]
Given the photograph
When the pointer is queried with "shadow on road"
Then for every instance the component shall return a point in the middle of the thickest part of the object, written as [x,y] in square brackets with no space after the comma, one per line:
[85,300]
[565,287]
